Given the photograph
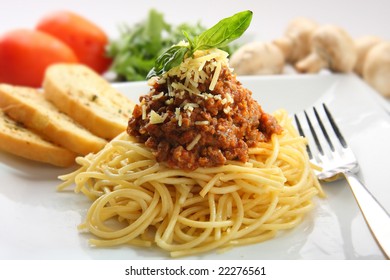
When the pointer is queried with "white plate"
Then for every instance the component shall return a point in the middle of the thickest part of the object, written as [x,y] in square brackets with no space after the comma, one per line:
[39,223]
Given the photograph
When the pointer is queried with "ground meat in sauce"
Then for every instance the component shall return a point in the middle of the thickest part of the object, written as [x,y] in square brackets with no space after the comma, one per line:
[230,127]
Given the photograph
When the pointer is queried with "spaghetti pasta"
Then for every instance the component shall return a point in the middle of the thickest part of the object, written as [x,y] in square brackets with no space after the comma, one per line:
[139,201]
[200,167]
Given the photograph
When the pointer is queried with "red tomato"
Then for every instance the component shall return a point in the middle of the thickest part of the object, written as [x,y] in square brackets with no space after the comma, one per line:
[25,54]
[86,39]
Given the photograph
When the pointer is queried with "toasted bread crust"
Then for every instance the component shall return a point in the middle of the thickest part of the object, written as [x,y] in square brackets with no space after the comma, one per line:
[19,141]
[28,106]
[87,98]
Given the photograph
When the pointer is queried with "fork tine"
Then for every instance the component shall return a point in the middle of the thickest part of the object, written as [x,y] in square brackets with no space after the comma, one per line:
[300,130]
[314,134]
[335,127]
[323,129]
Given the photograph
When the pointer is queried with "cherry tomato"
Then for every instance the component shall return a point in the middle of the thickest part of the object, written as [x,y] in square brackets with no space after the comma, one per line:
[25,54]
[86,39]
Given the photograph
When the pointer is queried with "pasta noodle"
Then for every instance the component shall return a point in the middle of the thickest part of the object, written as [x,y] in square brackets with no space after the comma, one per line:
[139,201]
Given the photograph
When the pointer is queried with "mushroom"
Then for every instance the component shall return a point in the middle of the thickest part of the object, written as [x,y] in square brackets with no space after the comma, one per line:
[257,58]
[376,69]
[295,44]
[332,48]
[363,46]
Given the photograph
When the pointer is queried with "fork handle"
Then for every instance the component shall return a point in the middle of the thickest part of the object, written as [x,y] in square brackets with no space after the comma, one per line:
[377,219]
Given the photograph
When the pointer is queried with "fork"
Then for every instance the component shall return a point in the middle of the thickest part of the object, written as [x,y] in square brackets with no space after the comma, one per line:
[328,149]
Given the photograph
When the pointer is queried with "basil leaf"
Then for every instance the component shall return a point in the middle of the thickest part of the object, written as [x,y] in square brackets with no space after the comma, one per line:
[224,32]
[190,41]
[169,59]
[218,36]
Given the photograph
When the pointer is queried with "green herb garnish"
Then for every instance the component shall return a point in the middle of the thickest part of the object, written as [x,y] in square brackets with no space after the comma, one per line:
[138,46]
[218,36]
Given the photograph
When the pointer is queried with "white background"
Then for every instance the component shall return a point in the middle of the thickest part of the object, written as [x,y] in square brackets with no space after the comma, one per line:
[359,17]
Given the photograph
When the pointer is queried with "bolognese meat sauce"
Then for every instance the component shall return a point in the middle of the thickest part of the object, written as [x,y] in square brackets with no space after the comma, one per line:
[200,116]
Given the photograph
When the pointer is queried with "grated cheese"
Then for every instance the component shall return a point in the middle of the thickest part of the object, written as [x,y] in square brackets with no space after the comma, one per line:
[227,110]
[193,142]
[170,91]
[178,116]
[216,75]
[180,120]
[177,113]
[200,68]
[158,96]
[152,81]
[155,118]
[202,123]
[190,88]
[143,111]
[194,70]
[190,106]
